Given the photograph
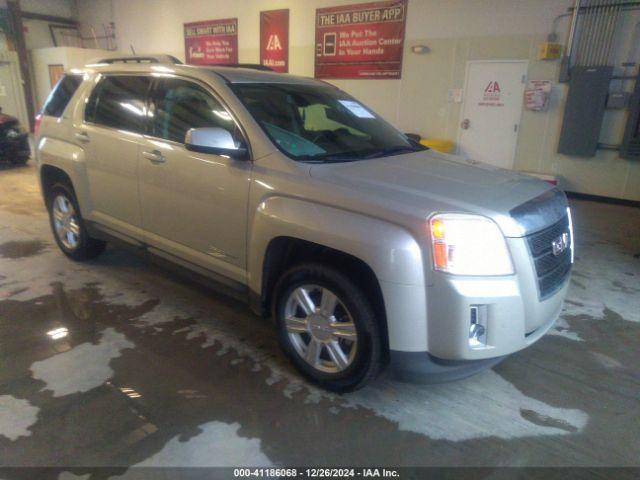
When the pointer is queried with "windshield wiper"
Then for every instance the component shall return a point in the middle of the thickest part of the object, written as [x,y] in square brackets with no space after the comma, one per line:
[386,152]
[334,157]
[354,155]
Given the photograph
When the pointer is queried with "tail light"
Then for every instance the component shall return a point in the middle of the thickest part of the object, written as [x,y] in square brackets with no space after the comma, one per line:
[36,124]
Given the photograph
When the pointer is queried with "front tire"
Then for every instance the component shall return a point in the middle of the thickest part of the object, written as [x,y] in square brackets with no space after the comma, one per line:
[68,226]
[327,328]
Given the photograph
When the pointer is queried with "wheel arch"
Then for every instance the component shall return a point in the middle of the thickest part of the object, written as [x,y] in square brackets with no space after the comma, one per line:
[49,176]
[384,257]
[63,161]
[284,252]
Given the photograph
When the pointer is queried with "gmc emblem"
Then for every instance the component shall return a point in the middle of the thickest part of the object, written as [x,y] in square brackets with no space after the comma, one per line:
[560,244]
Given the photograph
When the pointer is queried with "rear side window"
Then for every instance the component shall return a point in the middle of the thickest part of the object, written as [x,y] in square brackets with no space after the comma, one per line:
[60,95]
[119,102]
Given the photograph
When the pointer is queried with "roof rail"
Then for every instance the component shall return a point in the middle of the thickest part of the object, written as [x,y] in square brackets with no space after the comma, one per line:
[142,59]
[254,66]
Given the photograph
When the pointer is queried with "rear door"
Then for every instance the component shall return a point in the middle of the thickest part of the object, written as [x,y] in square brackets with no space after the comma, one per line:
[112,132]
[194,205]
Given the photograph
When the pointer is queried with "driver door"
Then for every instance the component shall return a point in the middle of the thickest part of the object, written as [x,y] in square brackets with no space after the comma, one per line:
[193,205]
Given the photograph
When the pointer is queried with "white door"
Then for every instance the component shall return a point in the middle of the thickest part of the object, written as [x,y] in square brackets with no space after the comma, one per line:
[491,111]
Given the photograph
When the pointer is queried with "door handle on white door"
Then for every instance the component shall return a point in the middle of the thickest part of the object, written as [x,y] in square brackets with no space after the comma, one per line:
[466,123]
[82,137]
[154,157]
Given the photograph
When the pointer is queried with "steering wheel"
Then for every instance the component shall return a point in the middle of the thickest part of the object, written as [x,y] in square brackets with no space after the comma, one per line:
[319,135]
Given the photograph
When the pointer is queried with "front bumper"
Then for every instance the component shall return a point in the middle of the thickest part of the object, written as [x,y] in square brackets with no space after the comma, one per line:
[516,316]
[421,367]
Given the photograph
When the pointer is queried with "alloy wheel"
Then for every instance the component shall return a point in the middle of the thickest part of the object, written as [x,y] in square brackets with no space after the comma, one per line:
[66,223]
[320,328]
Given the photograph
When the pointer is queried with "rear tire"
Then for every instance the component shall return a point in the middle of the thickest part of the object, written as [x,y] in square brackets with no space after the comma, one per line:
[68,226]
[327,327]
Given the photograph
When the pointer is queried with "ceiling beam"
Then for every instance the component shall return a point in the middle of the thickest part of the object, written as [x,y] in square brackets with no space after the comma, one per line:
[50,18]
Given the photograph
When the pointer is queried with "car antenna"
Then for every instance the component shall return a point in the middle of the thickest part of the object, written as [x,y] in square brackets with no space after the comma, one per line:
[132,49]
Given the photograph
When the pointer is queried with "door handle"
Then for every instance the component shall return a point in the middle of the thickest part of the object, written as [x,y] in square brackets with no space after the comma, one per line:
[465,124]
[154,157]
[82,137]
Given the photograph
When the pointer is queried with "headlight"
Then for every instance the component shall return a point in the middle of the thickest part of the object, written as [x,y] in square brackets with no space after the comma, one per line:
[15,132]
[468,245]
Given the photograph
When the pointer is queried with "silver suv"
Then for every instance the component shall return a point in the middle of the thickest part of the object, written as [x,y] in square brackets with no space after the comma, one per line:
[366,248]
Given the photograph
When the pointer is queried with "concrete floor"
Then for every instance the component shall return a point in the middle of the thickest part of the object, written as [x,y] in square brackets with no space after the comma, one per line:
[116,363]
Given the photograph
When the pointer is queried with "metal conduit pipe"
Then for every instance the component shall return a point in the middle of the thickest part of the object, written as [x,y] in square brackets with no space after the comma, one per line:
[614,25]
[591,35]
[594,32]
[596,36]
[607,32]
[601,33]
[565,66]
[584,23]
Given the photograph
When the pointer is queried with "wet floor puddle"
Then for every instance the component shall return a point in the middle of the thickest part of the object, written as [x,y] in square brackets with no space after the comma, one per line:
[110,390]
[22,248]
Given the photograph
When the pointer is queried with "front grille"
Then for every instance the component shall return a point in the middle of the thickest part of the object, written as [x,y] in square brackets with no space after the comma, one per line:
[551,270]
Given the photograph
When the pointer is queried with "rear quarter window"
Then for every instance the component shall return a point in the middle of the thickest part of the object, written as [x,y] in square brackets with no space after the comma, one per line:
[60,96]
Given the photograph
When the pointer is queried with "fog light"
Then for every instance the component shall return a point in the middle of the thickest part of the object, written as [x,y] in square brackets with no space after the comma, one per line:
[478,326]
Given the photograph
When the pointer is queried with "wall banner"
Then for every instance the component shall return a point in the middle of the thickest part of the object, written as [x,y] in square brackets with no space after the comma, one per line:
[274,40]
[211,41]
[360,41]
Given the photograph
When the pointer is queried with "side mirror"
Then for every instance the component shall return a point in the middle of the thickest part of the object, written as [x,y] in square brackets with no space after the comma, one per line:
[215,141]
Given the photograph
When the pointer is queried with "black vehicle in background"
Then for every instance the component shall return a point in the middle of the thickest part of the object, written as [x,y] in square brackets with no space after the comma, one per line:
[14,141]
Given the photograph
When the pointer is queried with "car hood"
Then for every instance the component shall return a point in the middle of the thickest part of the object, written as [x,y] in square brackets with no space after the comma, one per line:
[430,181]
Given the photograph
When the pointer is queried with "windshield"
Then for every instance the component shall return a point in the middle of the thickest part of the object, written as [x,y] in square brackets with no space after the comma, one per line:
[320,123]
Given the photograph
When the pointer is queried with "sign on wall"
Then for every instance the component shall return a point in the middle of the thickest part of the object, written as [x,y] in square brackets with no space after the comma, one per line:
[536,95]
[274,40]
[360,41]
[211,41]
[492,95]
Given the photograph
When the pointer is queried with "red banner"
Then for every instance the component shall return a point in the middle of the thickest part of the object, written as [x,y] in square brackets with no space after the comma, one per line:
[211,41]
[274,40]
[360,41]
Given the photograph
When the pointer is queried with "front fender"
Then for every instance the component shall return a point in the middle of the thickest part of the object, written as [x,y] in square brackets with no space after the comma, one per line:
[389,250]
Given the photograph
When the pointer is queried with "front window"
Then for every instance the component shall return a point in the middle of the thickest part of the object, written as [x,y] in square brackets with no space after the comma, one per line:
[180,105]
[320,123]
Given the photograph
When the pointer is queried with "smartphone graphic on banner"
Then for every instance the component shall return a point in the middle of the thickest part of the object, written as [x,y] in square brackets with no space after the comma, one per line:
[329,44]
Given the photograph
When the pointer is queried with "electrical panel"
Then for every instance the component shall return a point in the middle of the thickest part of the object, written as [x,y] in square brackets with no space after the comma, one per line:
[618,100]
[631,144]
[584,110]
